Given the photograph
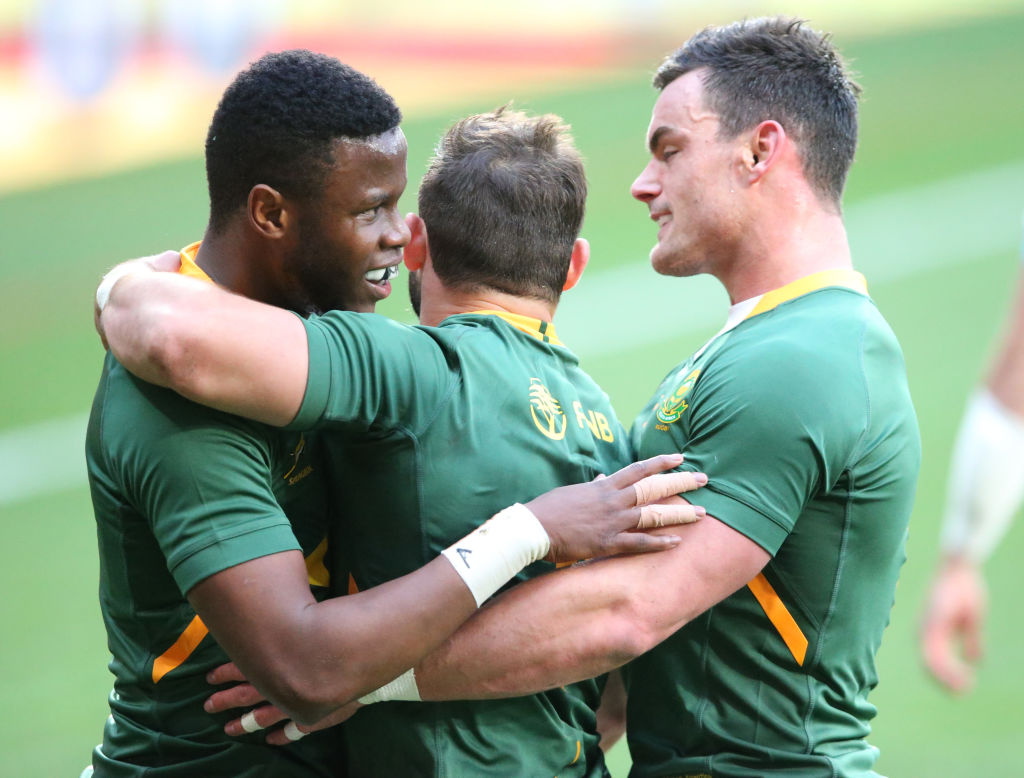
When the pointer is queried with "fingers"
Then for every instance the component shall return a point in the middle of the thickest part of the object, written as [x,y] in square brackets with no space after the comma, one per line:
[287,734]
[673,510]
[255,720]
[630,474]
[292,731]
[657,487]
[945,667]
[242,696]
[641,543]
[226,673]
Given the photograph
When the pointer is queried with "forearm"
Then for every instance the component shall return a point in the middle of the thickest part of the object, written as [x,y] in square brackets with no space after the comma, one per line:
[310,658]
[569,625]
[579,622]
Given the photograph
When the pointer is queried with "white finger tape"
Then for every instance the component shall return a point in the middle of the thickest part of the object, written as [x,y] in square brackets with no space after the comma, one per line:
[248,722]
[292,731]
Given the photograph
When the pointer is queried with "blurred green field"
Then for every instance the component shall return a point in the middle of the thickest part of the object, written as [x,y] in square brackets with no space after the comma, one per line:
[938,105]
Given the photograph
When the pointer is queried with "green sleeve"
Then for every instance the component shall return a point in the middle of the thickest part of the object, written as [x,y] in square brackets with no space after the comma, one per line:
[200,478]
[368,373]
[770,430]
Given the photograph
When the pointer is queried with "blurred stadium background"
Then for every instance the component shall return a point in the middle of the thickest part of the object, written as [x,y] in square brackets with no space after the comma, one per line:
[103,108]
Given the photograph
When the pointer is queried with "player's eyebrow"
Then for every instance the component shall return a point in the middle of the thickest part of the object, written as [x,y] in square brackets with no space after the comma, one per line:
[656,137]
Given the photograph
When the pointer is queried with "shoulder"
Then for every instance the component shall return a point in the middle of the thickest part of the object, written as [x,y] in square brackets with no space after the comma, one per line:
[143,420]
[808,350]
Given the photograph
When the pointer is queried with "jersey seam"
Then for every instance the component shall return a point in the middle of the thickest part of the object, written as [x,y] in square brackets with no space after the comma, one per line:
[844,542]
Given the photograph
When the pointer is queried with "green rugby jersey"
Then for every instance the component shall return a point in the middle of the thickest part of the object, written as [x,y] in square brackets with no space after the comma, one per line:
[438,428]
[181,492]
[801,417]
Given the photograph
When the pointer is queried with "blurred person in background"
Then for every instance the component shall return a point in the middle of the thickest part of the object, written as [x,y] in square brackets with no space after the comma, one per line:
[986,488]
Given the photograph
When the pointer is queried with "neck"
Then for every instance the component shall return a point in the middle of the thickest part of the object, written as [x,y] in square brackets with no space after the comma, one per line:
[440,302]
[778,251]
[234,261]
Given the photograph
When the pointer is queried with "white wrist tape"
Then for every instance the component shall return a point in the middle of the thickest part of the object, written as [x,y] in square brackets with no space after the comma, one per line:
[491,555]
[111,278]
[402,688]
[986,482]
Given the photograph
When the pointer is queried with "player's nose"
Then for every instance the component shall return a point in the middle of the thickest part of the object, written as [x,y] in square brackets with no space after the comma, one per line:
[645,187]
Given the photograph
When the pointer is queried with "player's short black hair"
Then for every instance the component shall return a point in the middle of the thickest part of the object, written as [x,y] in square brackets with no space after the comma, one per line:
[503,201]
[776,68]
[278,123]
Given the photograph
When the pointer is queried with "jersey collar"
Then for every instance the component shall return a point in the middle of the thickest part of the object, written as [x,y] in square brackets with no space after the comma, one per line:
[747,309]
[188,263]
[537,328]
[845,277]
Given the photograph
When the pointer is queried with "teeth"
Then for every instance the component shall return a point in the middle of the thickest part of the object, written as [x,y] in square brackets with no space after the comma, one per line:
[381,274]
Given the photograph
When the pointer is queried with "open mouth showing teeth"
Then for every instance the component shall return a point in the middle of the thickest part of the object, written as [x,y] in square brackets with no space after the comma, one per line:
[381,274]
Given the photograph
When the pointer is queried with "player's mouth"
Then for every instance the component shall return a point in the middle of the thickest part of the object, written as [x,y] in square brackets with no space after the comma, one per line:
[663,219]
[379,279]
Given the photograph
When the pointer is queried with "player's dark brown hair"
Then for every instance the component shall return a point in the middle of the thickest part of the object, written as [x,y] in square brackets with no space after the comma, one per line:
[776,68]
[503,202]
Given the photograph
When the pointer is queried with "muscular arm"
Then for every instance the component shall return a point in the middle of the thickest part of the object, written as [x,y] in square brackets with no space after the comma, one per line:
[311,657]
[209,345]
[582,621]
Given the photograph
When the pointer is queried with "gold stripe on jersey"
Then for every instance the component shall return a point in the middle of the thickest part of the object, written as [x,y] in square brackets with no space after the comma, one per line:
[780,617]
[851,279]
[538,328]
[315,568]
[182,649]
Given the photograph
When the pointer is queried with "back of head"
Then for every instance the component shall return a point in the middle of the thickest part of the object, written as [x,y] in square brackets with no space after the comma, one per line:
[503,203]
[278,124]
[776,68]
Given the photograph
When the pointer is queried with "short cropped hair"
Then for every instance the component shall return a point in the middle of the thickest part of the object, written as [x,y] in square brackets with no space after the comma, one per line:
[503,202]
[278,124]
[776,68]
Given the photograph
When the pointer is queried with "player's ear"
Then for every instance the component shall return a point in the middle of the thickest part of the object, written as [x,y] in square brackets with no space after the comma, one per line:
[268,211]
[577,262]
[763,149]
[417,249]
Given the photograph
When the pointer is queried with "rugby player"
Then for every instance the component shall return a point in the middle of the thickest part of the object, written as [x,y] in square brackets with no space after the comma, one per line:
[305,164]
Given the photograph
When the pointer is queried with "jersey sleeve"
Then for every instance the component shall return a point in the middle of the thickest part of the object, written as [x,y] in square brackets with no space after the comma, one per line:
[367,372]
[200,478]
[770,431]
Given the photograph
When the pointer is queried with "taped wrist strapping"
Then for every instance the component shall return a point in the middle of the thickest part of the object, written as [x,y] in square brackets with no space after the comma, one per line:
[986,481]
[489,556]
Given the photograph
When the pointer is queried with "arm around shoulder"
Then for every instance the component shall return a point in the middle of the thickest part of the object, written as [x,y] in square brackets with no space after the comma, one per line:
[209,345]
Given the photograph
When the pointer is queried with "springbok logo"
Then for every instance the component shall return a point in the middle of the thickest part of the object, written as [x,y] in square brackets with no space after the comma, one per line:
[672,407]
[547,413]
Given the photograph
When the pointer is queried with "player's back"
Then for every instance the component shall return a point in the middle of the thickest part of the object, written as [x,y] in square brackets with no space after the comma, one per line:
[479,413]
[180,492]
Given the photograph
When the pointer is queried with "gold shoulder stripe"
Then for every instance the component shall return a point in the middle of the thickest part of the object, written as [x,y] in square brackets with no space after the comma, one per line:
[780,617]
[182,649]
[850,279]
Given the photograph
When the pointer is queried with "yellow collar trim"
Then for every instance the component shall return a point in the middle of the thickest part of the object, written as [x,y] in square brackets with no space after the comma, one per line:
[850,279]
[538,328]
[188,263]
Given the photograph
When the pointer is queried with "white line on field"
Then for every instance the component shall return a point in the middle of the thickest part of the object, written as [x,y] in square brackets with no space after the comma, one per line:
[895,235]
